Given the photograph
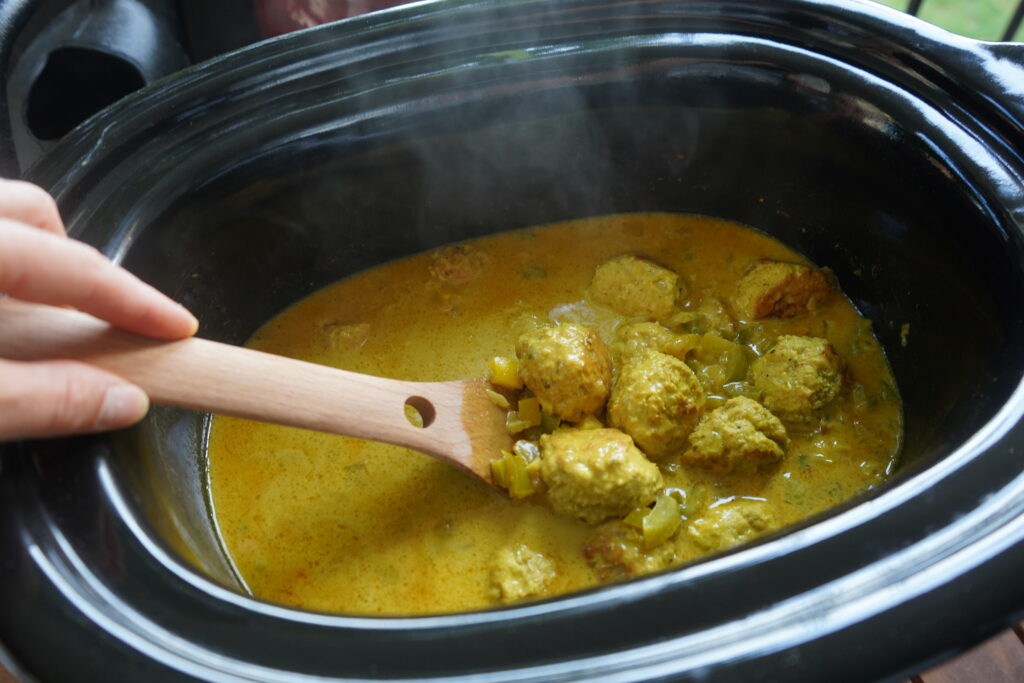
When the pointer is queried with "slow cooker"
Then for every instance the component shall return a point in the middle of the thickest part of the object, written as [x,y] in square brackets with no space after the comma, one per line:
[878,145]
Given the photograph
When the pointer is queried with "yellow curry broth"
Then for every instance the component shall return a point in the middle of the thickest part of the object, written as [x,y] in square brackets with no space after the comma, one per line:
[339,525]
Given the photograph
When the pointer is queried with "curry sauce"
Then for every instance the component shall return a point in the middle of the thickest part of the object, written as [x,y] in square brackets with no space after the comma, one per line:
[337,524]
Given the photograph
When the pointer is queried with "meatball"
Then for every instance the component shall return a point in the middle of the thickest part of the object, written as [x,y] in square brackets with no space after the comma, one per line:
[520,572]
[458,264]
[773,289]
[732,523]
[616,551]
[594,474]
[798,376]
[657,400]
[567,368]
[739,435]
[635,287]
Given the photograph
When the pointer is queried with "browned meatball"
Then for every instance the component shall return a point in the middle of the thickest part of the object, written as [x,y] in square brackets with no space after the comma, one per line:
[458,264]
[739,435]
[635,287]
[594,474]
[798,376]
[567,367]
[773,289]
[616,551]
[657,400]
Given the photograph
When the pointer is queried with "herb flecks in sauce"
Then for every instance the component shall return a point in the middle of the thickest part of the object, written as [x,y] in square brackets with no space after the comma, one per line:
[336,524]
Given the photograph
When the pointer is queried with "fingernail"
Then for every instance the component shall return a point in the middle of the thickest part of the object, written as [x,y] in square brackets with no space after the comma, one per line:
[194,320]
[123,404]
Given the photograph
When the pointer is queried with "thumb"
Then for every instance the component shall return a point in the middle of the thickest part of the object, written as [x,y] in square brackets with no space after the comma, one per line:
[58,398]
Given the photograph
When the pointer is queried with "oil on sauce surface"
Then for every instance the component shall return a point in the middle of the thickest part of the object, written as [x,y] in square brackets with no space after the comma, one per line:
[340,525]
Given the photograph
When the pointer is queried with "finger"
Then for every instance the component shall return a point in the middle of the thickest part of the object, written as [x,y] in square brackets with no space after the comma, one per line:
[58,398]
[40,267]
[30,204]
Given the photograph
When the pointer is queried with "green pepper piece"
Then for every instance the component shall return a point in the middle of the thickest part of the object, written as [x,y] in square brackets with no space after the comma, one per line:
[662,522]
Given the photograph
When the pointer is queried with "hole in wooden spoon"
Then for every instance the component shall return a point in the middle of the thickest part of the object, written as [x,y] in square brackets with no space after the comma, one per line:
[419,411]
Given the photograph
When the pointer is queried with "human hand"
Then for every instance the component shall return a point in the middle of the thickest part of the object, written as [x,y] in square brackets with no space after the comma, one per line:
[39,263]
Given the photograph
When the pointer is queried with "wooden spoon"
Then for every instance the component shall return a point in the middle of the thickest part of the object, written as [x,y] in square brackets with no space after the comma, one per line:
[460,423]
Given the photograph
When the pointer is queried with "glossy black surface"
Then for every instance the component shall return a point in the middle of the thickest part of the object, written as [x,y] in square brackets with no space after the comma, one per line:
[885,149]
[63,60]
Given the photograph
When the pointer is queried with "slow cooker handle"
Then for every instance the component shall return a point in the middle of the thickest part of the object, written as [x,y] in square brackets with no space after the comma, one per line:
[84,59]
[14,15]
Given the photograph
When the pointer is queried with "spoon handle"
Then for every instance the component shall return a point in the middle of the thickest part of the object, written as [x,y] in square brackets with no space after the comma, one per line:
[203,375]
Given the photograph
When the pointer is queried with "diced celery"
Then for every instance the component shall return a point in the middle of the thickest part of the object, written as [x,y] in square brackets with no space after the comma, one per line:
[735,362]
[513,423]
[521,484]
[511,472]
[529,411]
[734,389]
[718,361]
[698,324]
[531,434]
[533,469]
[548,422]
[677,493]
[497,399]
[681,345]
[681,318]
[712,349]
[711,401]
[500,470]
[755,338]
[498,473]
[636,517]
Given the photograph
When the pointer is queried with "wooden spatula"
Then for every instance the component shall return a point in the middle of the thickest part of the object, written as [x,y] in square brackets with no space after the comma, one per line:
[461,425]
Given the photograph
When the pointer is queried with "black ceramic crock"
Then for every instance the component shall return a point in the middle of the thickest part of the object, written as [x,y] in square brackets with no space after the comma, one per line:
[877,145]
